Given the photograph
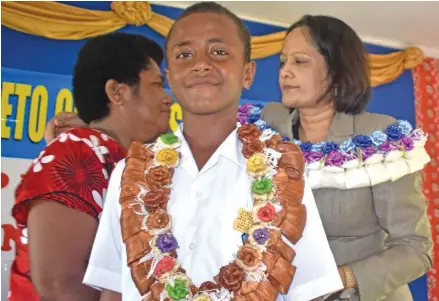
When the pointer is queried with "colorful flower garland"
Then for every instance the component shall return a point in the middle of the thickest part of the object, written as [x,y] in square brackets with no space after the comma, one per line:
[399,142]
[262,267]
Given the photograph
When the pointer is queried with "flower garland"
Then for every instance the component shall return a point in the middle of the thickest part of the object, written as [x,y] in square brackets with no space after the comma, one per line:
[399,143]
[262,267]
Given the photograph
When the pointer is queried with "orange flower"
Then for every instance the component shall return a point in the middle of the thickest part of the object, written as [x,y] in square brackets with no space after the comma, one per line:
[154,200]
[158,177]
[252,146]
[231,277]
[208,286]
[157,219]
[249,257]
[248,131]
[273,141]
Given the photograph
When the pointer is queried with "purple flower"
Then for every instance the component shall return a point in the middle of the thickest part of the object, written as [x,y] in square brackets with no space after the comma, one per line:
[242,118]
[368,152]
[394,132]
[362,141]
[329,147]
[349,156]
[261,235]
[417,134]
[245,108]
[311,157]
[306,147]
[334,158]
[388,147]
[166,242]
[407,143]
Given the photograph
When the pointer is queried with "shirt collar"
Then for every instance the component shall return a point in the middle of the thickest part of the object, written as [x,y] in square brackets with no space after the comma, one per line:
[230,149]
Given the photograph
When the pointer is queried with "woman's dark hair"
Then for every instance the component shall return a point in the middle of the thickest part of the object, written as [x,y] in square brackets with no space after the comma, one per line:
[346,60]
[118,56]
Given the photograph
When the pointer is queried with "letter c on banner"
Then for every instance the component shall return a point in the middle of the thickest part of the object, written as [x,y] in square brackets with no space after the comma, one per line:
[64,101]
[176,115]
[38,113]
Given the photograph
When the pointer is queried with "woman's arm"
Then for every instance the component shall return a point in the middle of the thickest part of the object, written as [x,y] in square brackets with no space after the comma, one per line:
[62,122]
[401,210]
[60,242]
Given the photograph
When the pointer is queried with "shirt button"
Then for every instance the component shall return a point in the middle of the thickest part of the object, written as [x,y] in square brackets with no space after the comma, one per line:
[199,194]
[191,246]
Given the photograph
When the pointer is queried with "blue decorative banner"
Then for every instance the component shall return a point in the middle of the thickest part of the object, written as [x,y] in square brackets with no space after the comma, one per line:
[30,99]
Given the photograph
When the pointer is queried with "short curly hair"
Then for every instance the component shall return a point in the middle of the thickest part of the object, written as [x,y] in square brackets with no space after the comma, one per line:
[213,7]
[118,56]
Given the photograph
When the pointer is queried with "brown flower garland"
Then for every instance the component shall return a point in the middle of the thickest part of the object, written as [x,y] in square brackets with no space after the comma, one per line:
[140,229]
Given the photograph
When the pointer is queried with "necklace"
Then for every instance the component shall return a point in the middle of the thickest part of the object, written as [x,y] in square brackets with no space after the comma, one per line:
[262,267]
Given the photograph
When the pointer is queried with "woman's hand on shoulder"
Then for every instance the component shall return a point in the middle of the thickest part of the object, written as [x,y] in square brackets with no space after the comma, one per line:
[60,123]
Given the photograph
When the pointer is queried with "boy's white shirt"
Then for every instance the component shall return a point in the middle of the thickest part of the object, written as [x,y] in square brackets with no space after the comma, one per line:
[203,206]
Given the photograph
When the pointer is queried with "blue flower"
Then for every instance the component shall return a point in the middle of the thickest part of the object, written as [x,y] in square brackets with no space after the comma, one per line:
[405,127]
[253,118]
[347,146]
[394,132]
[362,141]
[306,146]
[255,110]
[378,138]
[329,147]
[261,124]
[297,142]
[318,147]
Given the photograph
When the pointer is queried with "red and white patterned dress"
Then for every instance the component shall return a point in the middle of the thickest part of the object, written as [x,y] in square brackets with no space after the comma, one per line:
[73,170]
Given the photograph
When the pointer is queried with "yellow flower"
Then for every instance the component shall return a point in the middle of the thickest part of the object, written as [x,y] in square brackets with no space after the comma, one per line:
[257,165]
[168,157]
[202,297]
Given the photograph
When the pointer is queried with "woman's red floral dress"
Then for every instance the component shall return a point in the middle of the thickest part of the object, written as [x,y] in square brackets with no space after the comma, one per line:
[73,170]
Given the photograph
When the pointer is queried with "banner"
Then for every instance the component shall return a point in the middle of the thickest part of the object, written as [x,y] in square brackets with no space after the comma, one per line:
[29,101]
